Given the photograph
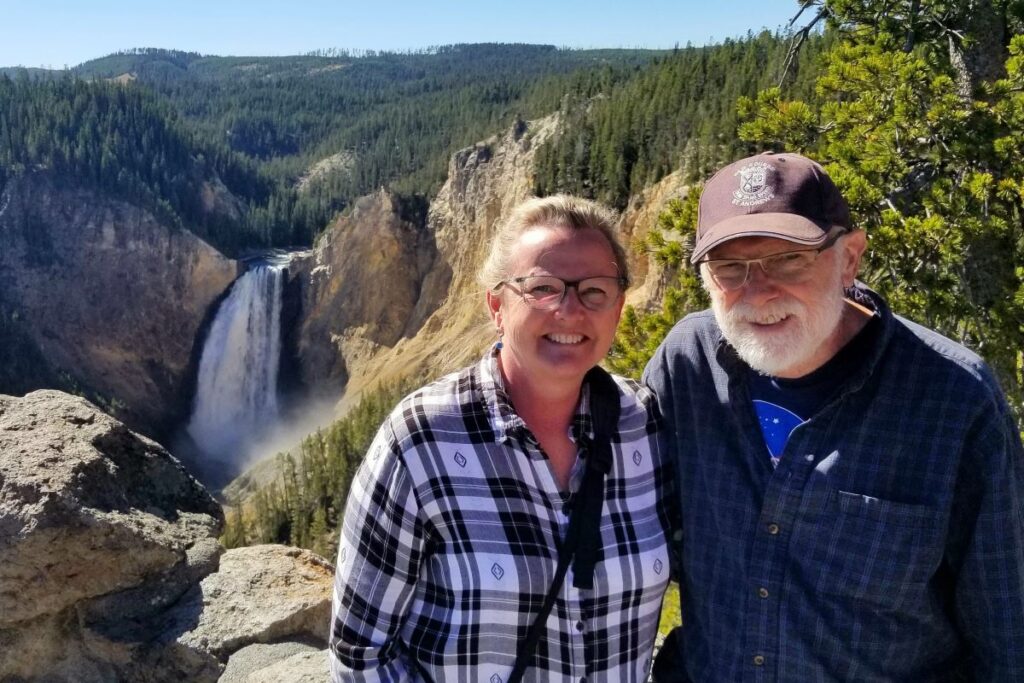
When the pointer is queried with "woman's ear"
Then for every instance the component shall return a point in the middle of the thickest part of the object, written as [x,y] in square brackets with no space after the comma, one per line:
[494,308]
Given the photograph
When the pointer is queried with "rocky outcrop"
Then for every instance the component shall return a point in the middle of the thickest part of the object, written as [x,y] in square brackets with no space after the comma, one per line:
[649,278]
[100,297]
[433,310]
[360,289]
[272,595]
[379,310]
[111,568]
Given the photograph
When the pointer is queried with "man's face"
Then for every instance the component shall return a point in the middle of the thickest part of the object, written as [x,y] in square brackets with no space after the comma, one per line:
[785,329]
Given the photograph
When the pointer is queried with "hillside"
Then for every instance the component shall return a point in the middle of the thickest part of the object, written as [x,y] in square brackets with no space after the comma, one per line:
[269,127]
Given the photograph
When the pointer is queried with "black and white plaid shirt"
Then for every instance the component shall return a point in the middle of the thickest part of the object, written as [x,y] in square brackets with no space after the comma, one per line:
[448,545]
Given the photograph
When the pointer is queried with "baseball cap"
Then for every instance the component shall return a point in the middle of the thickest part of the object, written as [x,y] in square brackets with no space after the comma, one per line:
[787,196]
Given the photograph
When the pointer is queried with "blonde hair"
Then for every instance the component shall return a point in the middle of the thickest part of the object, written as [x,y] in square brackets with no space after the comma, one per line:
[556,211]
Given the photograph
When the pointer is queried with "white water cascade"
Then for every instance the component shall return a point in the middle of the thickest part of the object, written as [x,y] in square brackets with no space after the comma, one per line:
[236,392]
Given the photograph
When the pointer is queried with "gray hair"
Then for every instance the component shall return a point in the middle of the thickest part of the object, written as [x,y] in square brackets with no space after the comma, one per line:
[556,211]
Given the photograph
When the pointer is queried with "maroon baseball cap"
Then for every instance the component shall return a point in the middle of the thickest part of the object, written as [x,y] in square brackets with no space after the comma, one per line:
[787,196]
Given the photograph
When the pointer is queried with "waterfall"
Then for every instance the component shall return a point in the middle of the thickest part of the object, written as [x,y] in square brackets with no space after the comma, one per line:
[236,393]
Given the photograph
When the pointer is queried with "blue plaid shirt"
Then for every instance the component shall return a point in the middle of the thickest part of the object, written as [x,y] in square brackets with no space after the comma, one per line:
[889,542]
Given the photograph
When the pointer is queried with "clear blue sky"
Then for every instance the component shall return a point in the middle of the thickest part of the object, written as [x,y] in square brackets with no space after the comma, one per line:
[58,33]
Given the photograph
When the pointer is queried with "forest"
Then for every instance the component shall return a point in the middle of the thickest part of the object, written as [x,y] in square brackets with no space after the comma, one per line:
[155,125]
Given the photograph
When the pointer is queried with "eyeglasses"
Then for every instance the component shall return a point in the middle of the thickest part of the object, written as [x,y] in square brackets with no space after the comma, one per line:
[788,267]
[547,292]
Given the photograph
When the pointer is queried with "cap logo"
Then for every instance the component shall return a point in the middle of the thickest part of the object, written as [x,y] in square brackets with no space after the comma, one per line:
[755,185]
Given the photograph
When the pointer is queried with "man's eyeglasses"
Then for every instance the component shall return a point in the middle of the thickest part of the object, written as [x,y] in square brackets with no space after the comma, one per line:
[788,267]
[547,292]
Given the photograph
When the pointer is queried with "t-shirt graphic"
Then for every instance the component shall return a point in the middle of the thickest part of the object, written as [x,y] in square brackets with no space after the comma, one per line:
[777,424]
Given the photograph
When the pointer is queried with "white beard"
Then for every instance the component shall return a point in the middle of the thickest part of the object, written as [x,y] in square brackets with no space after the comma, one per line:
[776,352]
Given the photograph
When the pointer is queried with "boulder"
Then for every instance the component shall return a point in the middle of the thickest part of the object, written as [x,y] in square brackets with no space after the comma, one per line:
[304,667]
[90,510]
[111,566]
[260,662]
[261,594]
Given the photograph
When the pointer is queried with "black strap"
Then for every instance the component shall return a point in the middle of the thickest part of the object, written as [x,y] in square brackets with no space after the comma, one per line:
[604,414]
[582,541]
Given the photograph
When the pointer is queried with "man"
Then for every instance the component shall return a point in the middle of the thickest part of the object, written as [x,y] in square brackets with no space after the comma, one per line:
[851,483]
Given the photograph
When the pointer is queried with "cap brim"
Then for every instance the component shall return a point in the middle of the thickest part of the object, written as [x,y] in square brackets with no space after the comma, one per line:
[783,226]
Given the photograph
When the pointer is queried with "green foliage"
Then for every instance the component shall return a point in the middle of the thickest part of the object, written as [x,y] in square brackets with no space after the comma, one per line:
[671,616]
[260,123]
[399,115]
[935,178]
[121,140]
[304,506]
[624,134]
[669,243]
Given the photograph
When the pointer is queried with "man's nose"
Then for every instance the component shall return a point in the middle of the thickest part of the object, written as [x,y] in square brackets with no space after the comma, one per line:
[758,285]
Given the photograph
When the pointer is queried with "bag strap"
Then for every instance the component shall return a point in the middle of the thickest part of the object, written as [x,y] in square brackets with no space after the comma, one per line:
[604,415]
[581,544]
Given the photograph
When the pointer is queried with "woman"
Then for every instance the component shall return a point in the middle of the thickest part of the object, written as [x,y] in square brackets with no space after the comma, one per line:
[450,537]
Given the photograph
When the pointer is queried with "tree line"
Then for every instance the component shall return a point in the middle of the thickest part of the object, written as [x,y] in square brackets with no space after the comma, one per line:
[126,142]
[258,124]
[678,113]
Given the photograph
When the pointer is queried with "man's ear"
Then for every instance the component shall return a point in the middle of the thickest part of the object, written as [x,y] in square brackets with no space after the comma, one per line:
[851,249]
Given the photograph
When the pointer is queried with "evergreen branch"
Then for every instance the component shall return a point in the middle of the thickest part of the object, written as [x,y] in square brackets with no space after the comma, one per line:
[798,39]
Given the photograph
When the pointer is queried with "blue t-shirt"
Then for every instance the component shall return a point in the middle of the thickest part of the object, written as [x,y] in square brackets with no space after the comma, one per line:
[784,404]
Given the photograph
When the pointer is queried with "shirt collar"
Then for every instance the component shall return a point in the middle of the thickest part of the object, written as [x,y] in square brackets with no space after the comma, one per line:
[502,415]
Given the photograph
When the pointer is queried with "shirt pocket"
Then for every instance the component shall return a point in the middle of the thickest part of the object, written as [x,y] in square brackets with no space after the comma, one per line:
[872,550]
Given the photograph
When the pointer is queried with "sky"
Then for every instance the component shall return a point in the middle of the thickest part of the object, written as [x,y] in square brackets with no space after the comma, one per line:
[66,33]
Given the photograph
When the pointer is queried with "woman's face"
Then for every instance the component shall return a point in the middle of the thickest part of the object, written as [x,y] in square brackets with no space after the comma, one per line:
[561,344]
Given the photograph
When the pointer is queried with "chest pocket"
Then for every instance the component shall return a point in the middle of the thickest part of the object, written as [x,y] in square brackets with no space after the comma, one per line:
[869,549]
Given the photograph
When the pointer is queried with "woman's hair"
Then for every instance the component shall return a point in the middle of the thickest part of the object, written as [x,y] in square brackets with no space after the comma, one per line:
[556,211]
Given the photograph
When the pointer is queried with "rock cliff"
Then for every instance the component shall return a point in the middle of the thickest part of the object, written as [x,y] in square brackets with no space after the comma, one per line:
[386,300]
[360,289]
[420,312]
[98,296]
[112,571]
[649,278]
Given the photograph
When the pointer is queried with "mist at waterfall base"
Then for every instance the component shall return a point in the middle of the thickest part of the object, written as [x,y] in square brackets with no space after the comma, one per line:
[237,417]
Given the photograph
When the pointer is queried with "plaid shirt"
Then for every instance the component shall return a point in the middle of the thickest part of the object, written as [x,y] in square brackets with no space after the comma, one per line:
[450,536]
[889,542]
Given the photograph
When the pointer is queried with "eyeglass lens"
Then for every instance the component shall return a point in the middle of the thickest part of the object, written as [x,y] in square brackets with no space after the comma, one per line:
[546,292]
[788,267]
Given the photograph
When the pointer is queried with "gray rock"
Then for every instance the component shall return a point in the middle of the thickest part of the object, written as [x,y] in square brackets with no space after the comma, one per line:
[89,509]
[255,658]
[261,594]
[111,569]
[306,667]
[101,530]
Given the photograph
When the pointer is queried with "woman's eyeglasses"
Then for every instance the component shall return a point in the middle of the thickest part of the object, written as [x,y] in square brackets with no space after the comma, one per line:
[547,292]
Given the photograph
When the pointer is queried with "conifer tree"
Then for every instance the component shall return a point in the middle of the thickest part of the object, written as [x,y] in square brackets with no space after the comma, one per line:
[934,178]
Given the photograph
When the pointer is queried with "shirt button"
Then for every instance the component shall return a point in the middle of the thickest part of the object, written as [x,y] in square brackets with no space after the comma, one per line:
[579,626]
[773,529]
[762,592]
[758,660]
